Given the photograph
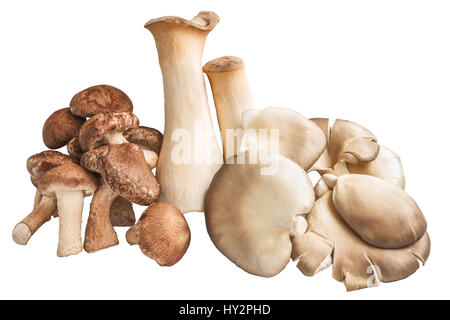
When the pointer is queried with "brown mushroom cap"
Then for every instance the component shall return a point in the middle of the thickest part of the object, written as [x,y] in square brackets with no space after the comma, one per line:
[381,213]
[98,99]
[163,233]
[95,128]
[223,64]
[74,148]
[68,177]
[124,169]
[60,127]
[356,263]
[40,163]
[145,137]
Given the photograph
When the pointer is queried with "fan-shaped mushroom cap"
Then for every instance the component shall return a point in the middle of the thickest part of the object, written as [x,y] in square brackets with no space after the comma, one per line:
[382,214]
[386,166]
[347,142]
[124,169]
[356,263]
[102,125]
[74,148]
[60,127]
[98,99]
[68,177]
[249,216]
[300,139]
[162,233]
[204,21]
[40,163]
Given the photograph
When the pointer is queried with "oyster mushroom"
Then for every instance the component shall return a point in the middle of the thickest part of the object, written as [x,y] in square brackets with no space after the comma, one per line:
[162,234]
[44,207]
[355,262]
[99,99]
[249,216]
[232,96]
[69,184]
[190,154]
[124,173]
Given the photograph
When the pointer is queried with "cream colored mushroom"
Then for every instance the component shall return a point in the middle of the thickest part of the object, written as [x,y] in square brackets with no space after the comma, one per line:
[250,216]
[232,96]
[356,263]
[190,154]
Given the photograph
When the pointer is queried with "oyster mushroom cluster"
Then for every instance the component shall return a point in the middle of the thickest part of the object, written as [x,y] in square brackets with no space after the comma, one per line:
[261,207]
[111,157]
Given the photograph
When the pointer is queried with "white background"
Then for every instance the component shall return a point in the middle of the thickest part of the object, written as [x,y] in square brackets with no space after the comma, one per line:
[383,64]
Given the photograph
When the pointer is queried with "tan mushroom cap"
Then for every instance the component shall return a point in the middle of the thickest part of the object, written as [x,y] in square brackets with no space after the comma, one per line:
[204,21]
[382,214]
[348,142]
[68,177]
[60,127]
[223,64]
[94,129]
[40,163]
[356,263]
[162,233]
[146,137]
[98,99]
[386,166]
[249,216]
[124,169]
[300,139]
[74,148]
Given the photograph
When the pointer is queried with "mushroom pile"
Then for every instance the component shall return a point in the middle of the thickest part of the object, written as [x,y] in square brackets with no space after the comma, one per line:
[261,207]
[111,157]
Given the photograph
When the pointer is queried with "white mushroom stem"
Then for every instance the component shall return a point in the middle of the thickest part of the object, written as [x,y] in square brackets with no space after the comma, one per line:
[70,208]
[30,224]
[232,96]
[100,233]
[114,137]
[190,154]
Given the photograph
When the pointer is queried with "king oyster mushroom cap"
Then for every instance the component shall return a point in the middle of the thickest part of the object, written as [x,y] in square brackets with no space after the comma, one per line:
[99,99]
[381,213]
[348,142]
[60,127]
[44,207]
[180,44]
[106,128]
[232,96]
[149,139]
[355,262]
[299,139]
[162,233]
[387,166]
[69,184]
[249,216]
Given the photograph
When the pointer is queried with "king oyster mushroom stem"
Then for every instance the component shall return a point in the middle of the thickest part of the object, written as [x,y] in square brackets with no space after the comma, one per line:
[190,154]
[232,96]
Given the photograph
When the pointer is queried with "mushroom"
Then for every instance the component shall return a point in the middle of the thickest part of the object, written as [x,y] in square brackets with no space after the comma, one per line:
[382,214]
[74,148]
[44,207]
[298,138]
[99,99]
[124,172]
[355,262]
[190,155]
[232,96]
[69,184]
[106,128]
[249,215]
[60,128]
[121,213]
[149,139]
[162,234]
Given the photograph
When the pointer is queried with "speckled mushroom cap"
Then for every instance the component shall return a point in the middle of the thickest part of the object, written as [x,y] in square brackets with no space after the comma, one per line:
[41,162]
[98,99]
[355,262]
[146,137]
[124,169]
[60,127]
[163,233]
[95,128]
[224,64]
[68,177]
